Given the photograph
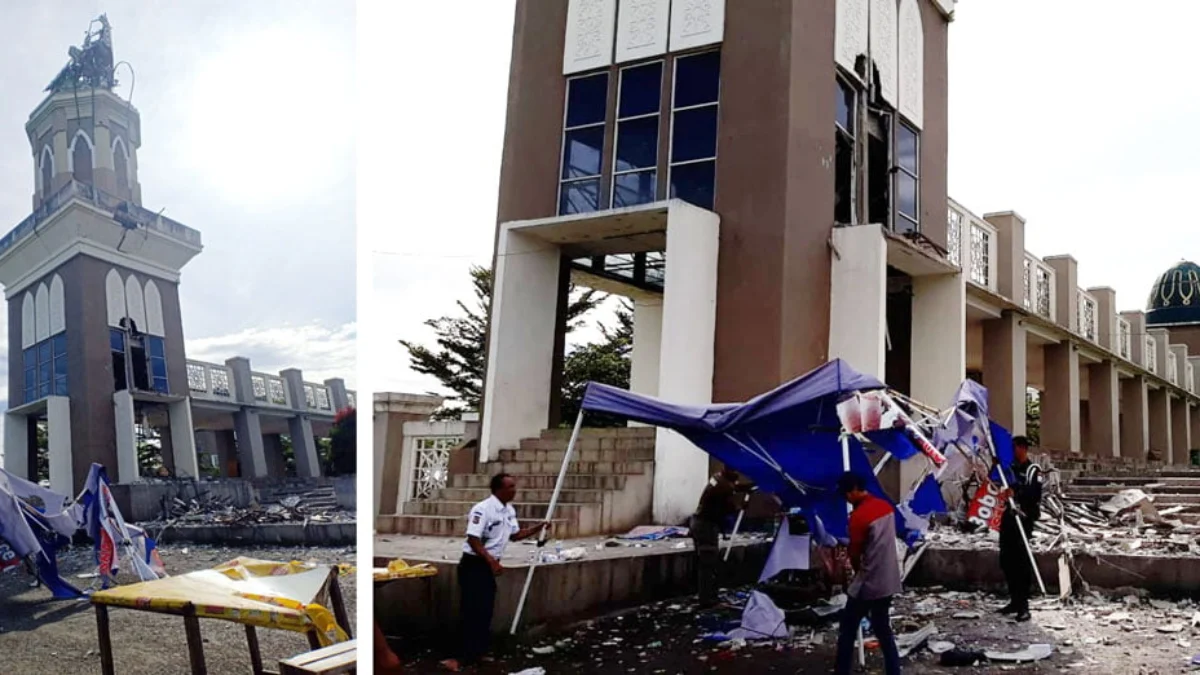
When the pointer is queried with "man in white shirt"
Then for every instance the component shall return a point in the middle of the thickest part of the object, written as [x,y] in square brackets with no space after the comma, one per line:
[491,524]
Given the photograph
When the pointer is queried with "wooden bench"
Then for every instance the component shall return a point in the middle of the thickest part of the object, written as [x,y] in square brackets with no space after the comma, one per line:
[339,659]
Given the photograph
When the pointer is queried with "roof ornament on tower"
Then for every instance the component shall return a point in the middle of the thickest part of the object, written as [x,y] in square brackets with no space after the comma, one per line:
[91,65]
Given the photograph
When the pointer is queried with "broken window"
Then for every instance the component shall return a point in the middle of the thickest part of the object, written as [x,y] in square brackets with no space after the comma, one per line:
[845,125]
[45,368]
[635,165]
[583,144]
[81,159]
[120,368]
[879,161]
[157,357]
[907,174]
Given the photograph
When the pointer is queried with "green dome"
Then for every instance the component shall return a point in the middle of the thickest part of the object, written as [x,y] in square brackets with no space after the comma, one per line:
[1175,297]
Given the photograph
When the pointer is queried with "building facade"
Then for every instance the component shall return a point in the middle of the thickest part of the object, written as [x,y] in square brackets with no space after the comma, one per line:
[95,331]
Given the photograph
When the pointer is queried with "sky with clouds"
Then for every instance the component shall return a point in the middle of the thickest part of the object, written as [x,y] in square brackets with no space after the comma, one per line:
[1075,117]
[248,135]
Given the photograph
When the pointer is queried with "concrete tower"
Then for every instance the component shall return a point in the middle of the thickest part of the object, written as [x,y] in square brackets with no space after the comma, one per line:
[92,281]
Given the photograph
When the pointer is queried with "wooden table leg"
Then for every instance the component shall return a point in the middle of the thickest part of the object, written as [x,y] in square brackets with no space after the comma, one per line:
[339,606]
[191,625]
[106,654]
[256,662]
[313,640]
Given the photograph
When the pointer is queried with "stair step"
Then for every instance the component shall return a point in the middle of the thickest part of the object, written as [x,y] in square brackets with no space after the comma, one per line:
[612,468]
[525,511]
[544,481]
[526,454]
[450,526]
[524,494]
[613,432]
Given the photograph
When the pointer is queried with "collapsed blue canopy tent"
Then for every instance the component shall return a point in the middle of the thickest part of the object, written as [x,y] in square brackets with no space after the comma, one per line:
[788,440]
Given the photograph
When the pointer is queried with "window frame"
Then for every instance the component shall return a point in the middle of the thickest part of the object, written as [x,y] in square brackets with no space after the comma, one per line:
[657,115]
[562,154]
[846,83]
[899,123]
[674,110]
[34,386]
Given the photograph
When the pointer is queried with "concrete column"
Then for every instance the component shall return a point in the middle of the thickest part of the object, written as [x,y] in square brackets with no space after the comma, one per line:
[1137,336]
[183,440]
[273,451]
[1194,428]
[58,432]
[647,345]
[685,374]
[1005,350]
[250,447]
[1104,423]
[939,337]
[308,465]
[337,393]
[1106,317]
[1060,400]
[1066,282]
[1135,418]
[516,390]
[389,413]
[1010,263]
[1162,348]
[1160,424]
[1181,430]
[16,445]
[1180,352]
[243,388]
[124,422]
[858,301]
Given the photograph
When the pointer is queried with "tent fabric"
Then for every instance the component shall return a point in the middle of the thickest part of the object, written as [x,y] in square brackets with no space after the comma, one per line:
[286,595]
[789,432]
[111,535]
[790,552]
[32,535]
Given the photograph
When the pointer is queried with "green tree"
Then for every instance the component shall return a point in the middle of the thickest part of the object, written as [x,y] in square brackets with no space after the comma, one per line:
[342,444]
[457,360]
[607,361]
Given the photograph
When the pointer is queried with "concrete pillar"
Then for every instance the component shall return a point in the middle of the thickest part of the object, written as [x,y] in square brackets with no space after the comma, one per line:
[1135,418]
[1060,400]
[1180,352]
[1106,317]
[939,337]
[516,394]
[1010,253]
[183,440]
[16,445]
[308,464]
[337,394]
[124,422]
[1066,277]
[273,452]
[1194,428]
[1104,423]
[1137,336]
[647,345]
[58,433]
[389,413]
[1162,349]
[250,448]
[1181,430]
[1160,424]
[858,301]
[1005,348]
[685,375]
[243,388]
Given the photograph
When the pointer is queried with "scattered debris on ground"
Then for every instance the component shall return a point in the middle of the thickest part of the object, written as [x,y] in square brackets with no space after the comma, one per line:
[216,510]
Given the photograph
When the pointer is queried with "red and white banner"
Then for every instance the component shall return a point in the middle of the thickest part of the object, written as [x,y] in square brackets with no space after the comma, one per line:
[987,507]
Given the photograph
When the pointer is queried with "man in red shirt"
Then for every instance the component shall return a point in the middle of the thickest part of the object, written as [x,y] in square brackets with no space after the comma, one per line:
[876,574]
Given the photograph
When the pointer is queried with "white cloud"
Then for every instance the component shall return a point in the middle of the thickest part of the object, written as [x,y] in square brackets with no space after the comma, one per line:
[330,349]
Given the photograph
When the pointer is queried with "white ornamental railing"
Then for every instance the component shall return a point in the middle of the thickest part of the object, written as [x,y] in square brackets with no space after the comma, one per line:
[954,221]
[431,464]
[316,397]
[1172,368]
[269,390]
[1150,355]
[981,267]
[1124,343]
[1088,315]
[1189,376]
[211,381]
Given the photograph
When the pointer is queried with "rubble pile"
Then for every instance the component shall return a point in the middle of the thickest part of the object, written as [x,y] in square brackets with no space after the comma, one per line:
[215,510]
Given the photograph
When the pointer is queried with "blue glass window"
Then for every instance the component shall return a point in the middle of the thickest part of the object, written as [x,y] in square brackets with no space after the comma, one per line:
[583,144]
[116,340]
[908,178]
[158,363]
[694,117]
[635,161]
[45,368]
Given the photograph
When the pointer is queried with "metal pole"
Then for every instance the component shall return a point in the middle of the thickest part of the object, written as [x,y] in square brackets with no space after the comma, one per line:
[736,526]
[562,474]
[862,652]
[1012,504]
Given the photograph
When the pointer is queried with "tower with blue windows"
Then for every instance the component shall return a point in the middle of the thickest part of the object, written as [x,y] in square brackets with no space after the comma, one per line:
[95,338]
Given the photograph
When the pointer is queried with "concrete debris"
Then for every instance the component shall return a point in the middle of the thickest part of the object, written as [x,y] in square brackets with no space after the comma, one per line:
[531,671]
[940,646]
[216,510]
[1171,628]
[1035,652]
[908,642]
[1126,501]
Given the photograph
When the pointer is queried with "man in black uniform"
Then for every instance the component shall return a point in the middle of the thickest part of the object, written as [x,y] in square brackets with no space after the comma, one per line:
[1026,487]
[723,496]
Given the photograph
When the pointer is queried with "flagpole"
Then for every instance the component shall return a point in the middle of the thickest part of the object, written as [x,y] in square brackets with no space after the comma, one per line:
[1012,504]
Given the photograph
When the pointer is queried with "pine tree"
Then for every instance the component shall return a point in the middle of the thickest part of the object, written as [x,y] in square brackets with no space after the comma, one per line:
[457,360]
[607,362]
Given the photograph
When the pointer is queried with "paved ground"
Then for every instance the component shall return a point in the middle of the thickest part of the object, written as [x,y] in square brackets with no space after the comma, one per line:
[1117,636]
[40,635]
[438,549]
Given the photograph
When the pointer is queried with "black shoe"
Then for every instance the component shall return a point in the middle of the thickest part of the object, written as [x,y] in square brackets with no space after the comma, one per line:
[1010,608]
[1023,616]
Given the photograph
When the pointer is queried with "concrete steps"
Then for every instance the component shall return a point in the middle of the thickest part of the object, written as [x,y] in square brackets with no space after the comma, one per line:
[607,489]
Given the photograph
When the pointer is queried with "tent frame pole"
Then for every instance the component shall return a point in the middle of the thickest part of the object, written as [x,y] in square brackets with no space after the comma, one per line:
[736,526]
[537,558]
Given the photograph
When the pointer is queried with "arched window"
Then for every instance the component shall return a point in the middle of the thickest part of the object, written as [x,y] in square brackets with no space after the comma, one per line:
[121,166]
[47,170]
[81,158]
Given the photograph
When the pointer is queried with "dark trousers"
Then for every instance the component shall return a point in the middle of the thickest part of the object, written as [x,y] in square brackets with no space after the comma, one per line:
[1014,561]
[477,584]
[706,536]
[881,626]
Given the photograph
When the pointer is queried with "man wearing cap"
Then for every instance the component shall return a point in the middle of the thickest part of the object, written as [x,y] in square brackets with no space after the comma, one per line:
[1026,488]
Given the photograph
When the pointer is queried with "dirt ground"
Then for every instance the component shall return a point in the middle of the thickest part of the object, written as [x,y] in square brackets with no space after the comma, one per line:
[1120,635]
[40,635]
